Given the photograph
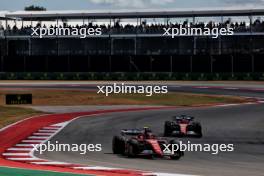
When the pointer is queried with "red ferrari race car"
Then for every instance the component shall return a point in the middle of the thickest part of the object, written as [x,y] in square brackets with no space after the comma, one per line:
[182,126]
[137,142]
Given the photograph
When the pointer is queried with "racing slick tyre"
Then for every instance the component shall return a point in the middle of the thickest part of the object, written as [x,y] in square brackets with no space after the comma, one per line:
[167,129]
[118,145]
[197,129]
[177,154]
[132,148]
[130,151]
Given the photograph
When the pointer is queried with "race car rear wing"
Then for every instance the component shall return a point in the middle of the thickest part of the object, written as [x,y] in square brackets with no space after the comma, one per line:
[132,132]
[183,117]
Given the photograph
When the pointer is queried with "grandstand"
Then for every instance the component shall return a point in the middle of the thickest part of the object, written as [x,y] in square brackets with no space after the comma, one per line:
[133,42]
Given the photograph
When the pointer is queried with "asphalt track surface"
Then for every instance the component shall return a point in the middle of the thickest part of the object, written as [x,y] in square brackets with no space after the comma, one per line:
[239,125]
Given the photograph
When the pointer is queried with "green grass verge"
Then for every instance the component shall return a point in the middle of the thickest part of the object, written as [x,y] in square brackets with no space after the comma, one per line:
[170,99]
[79,97]
[10,115]
[4,171]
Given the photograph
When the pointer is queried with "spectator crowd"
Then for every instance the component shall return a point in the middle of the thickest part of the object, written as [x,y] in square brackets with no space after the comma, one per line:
[143,28]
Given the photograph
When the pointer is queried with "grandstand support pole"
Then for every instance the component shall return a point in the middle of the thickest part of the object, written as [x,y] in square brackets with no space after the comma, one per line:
[135,40]
[135,45]
[57,22]
[88,63]
[194,20]
[29,47]
[220,45]
[194,45]
[24,64]
[2,63]
[57,43]
[191,64]
[69,64]
[6,24]
[47,63]
[112,45]
[253,63]
[130,63]
[171,64]
[232,64]
[167,20]
[250,22]
[7,47]
[110,63]
[212,63]
[151,63]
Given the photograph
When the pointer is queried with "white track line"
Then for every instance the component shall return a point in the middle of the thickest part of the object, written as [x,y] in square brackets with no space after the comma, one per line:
[24,145]
[50,163]
[166,174]
[37,137]
[32,140]
[96,168]
[60,124]
[51,128]
[23,159]
[19,149]
[47,131]
[42,134]
[15,154]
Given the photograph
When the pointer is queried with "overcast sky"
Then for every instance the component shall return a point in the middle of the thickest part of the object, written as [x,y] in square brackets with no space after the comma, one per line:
[12,5]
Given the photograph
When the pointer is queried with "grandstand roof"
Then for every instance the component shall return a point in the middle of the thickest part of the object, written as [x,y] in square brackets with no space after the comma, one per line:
[2,15]
[50,15]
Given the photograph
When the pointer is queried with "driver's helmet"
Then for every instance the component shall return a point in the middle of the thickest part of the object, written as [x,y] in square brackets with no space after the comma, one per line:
[150,136]
[147,130]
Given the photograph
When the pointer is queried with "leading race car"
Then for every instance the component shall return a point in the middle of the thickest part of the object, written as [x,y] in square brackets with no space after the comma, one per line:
[141,142]
[182,126]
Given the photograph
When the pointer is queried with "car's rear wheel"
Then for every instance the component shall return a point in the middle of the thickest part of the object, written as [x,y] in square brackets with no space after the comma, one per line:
[118,145]
[130,151]
[177,154]
[167,129]
[197,128]
[175,157]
